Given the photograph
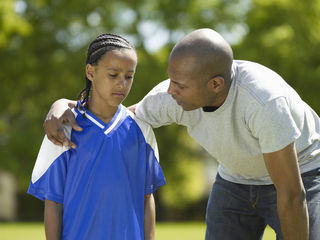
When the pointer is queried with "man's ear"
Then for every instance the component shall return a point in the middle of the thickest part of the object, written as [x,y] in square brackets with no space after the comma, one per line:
[90,71]
[216,84]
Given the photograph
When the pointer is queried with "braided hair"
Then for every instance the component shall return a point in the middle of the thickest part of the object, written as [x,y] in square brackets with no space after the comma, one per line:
[101,45]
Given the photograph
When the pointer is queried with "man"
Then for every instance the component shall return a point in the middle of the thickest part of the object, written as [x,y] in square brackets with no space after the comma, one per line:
[265,138]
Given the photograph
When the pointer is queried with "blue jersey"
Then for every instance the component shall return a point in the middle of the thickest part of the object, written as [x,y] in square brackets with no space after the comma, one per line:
[102,182]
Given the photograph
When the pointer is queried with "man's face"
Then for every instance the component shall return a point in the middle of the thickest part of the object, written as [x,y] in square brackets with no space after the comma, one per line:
[187,84]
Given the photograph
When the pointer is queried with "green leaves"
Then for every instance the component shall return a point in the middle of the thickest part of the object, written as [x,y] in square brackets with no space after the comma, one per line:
[12,23]
[284,35]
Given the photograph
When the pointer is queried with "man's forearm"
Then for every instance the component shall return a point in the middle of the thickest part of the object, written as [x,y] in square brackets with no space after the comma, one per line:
[149,217]
[293,216]
[53,220]
[284,171]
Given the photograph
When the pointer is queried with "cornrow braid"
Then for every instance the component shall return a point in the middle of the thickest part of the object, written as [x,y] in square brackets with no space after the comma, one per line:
[98,47]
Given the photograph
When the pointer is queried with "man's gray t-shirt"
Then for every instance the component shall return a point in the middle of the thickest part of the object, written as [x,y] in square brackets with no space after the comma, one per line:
[261,114]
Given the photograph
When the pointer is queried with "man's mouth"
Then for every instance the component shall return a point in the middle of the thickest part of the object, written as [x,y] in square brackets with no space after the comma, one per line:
[177,101]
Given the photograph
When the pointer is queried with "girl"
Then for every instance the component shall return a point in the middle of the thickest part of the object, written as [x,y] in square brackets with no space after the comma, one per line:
[103,188]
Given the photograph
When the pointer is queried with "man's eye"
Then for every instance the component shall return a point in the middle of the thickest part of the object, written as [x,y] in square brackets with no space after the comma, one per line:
[113,75]
[129,77]
[181,87]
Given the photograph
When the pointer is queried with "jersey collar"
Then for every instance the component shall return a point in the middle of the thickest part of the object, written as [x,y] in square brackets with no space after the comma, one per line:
[106,127]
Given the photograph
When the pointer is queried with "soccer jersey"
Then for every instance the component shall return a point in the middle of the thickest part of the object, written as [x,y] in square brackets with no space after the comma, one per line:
[102,182]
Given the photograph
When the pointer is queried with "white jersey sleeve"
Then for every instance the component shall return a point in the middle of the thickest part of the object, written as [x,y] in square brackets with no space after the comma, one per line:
[48,153]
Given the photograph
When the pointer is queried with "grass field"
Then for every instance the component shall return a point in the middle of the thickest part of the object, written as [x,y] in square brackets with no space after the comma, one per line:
[164,231]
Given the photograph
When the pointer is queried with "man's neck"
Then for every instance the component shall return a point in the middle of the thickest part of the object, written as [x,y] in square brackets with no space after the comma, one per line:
[209,108]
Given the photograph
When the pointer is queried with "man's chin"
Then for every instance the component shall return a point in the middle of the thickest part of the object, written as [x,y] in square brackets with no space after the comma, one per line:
[187,108]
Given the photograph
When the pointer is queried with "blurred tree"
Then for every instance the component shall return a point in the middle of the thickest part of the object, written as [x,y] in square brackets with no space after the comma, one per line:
[11,23]
[285,36]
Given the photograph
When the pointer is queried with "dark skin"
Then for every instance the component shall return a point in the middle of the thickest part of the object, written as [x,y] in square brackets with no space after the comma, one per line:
[53,125]
[291,197]
[192,87]
[199,70]
[53,219]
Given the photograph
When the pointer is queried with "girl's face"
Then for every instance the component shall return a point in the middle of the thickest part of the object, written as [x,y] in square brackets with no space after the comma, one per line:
[112,77]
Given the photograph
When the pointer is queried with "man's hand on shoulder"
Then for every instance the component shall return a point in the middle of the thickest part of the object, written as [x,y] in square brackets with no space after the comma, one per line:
[132,108]
[60,112]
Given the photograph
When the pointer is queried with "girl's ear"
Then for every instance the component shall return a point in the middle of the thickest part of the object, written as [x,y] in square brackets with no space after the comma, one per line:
[90,72]
[216,84]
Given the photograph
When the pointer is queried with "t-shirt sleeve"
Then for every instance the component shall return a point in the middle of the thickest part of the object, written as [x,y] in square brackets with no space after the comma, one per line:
[274,126]
[49,172]
[158,108]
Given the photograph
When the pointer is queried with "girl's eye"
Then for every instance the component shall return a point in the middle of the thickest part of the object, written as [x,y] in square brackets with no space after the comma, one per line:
[129,77]
[113,75]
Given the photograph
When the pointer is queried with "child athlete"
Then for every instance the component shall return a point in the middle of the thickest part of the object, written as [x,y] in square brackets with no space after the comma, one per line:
[103,188]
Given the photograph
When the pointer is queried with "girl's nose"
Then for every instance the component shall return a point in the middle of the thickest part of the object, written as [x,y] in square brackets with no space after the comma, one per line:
[122,82]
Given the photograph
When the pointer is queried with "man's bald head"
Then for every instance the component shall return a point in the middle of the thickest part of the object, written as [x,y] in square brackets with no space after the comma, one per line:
[206,52]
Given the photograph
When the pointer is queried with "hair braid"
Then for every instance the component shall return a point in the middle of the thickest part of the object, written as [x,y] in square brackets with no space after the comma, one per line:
[98,47]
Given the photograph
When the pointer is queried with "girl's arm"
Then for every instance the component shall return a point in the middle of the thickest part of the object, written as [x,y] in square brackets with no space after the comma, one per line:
[149,217]
[53,220]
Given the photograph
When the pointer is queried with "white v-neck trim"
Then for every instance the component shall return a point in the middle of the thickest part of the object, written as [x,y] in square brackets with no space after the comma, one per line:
[112,126]
[92,119]
[106,127]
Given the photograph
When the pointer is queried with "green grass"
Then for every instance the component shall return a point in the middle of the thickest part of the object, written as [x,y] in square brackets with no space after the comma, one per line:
[164,231]
[191,231]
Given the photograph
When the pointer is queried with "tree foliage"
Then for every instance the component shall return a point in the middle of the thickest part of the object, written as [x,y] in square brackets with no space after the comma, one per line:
[284,35]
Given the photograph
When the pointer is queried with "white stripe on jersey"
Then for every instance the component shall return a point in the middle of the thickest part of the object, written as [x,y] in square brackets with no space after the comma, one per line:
[92,119]
[115,121]
[47,154]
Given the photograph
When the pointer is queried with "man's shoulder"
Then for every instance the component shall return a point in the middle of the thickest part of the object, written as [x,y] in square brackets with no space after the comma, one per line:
[247,70]
[257,82]
[161,87]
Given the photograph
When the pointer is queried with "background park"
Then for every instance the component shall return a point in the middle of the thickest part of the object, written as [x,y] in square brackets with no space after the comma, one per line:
[42,58]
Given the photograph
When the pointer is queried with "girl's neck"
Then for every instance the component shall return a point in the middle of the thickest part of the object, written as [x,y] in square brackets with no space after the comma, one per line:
[104,112]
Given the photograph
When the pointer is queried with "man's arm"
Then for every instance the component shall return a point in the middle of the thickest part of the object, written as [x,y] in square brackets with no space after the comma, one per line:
[53,220]
[60,112]
[284,171]
[158,108]
[149,217]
